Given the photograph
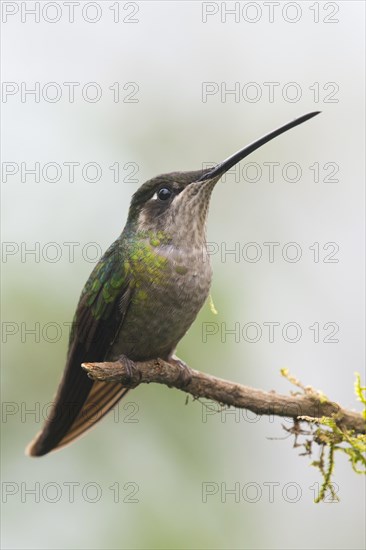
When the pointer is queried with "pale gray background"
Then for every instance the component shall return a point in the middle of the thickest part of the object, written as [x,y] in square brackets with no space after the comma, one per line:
[170,452]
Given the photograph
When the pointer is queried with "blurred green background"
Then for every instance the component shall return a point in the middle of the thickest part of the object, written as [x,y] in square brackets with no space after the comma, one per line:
[157,473]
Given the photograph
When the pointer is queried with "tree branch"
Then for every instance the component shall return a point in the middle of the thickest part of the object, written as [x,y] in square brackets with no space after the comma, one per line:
[310,404]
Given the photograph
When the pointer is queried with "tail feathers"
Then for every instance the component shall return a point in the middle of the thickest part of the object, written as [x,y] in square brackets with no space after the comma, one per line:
[69,420]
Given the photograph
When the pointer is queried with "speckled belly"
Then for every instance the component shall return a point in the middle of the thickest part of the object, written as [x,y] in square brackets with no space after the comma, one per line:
[163,305]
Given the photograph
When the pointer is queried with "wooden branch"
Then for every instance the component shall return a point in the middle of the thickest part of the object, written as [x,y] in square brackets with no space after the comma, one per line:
[309,404]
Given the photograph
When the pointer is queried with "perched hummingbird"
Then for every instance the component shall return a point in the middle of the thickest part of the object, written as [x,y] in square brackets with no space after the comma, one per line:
[142,296]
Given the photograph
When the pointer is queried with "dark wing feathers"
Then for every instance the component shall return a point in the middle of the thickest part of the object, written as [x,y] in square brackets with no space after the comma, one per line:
[80,402]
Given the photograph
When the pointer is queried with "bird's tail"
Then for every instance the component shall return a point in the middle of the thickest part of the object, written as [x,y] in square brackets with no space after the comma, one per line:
[79,404]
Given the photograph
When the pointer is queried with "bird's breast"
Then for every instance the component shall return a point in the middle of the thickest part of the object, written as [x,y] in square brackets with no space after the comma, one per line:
[170,285]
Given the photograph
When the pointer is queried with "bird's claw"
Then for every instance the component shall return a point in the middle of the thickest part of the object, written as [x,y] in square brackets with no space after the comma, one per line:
[185,374]
[132,376]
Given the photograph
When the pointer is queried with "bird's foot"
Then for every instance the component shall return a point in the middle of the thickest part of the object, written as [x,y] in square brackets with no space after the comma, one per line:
[185,374]
[133,376]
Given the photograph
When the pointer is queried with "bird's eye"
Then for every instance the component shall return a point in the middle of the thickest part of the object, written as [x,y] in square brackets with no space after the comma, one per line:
[164,193]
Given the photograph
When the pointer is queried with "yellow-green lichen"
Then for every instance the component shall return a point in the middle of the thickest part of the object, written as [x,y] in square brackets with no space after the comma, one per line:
[331,437]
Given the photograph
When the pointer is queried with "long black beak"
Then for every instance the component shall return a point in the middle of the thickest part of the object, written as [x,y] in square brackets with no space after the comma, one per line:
[224,166]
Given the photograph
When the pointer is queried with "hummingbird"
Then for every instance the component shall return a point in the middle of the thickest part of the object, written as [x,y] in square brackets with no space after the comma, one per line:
[143,294]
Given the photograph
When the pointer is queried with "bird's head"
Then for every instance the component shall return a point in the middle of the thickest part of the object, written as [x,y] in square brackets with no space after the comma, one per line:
[176,204]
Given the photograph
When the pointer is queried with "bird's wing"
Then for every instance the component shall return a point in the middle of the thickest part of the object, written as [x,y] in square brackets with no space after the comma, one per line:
[80,402]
